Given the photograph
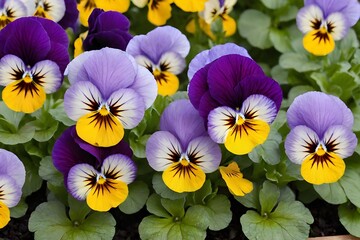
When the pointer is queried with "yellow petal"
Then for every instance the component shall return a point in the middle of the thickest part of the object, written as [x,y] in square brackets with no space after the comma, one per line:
[78,44]
[106,195]
[242,138]
[85,8]
[229,25]
[190,27]
[191,5]
[328,168]
[319,42]
[167,83]
[4,215]
[234,180]
[183,177]
[24,97]
[113,5]
[100,130]
[161,13]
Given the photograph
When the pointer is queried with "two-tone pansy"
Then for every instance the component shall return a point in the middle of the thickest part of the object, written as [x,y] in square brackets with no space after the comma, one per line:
[324,22]
[106,29]
[12,179]
[162,51]
[95,174]
[34,55]
[215,9]
[86,7]
[321,136]
[109,92]
[11,10]
[182,148]
[159,11]
[234,96]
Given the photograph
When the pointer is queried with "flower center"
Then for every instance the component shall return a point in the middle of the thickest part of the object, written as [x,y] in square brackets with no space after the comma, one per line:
[100,179]
[27,78]
[320,150]
[104,110]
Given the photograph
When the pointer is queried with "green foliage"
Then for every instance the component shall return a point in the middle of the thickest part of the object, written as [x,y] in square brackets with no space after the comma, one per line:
[138,194]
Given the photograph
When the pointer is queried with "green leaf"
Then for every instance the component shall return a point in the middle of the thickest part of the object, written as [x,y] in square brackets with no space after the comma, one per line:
[350,182]
[11,116]
[48,172]
[289,220]
[294,92]
[269,150]
[255,27]
[58,113]
[349,217]
[251,200]
[194,216]
[45,126]
[165,192]
[274,4]
[78,209]
[135,201]
[32,179]
[22,135]
[138,145]
[268,197]
[356,112]
[332,193]
[199,196]
[299,62]
[154,206]
[280,40]
[174,207]
[19,210]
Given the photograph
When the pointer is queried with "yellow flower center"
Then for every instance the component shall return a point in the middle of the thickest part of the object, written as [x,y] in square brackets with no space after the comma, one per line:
[104,111]
[27,78]
[101,179]
[320,151]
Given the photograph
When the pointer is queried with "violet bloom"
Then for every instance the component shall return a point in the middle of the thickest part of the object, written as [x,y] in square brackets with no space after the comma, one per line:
[320,136]
[109,92]
[12,179]
[182,148]
[99,175]
[236,99]
[106,29]
[323,22]
[34,54]
[11,10]
[162,51]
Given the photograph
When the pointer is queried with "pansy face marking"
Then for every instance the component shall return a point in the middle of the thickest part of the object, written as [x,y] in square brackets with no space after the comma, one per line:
[11,10]
[50,9]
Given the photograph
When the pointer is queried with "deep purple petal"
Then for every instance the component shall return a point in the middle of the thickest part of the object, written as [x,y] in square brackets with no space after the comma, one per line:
[110,20]
[198,86]
[207,103]
[113,39]
[319,111]
[54,31]
[182,120]
[60,55]
[71,15]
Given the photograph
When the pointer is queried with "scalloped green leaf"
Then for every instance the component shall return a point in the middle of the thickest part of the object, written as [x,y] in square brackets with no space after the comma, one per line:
[138,195]
[332,193]
[48,172]
[349,217]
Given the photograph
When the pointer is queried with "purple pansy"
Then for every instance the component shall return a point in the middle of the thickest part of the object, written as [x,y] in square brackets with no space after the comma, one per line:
[34,54]
[109,92]
[162,51]
[93,173]
[320,136]
[236,99]
[12,179]
[182,148]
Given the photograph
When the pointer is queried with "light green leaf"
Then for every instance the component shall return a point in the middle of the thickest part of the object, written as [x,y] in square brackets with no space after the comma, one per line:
[138,195]
[255,27]
[349,217]
[11,116]
[274,4]
[289,220]
[294,92]
[199,196]
[251,200]
[32,179]
[299,62]
[280,40]
[154,228]
[174,207]
[269,150]
[45,126]
[58,113]
[356,112]
[48,172]
[22,135]
[288,13]
[154,206]
[332,193]
[78,209]
[20,209]
[268,197]
[138,145]
[350,182]
[165,192]
[197,216]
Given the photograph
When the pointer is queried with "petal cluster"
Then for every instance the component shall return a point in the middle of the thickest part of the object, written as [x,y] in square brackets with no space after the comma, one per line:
[236,99]
[109,92]
[321,136]
[12,179]
[324,22]
[182,148]
[162,51]
[34,54]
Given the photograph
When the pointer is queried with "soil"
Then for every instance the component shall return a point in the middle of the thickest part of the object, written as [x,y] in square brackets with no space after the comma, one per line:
[326,222]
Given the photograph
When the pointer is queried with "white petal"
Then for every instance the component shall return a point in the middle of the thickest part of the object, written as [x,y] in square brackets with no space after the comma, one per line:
[11,69]
[79,98]
[338,21]
[140,3]
[17,8]
[259,107]
[10,192]
[211,7]
[162,149]
[49,73]
[130,106]
[229,4]
[56,8]
[340,140]
[172,62]
[119,167]
[80,180]
[218,123]
[206,152]
[145,62]
[306,16]
[300,142]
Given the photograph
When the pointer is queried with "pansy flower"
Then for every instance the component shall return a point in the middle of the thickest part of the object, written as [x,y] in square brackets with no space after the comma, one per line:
[11,10]
[86,7]
[159,10]
[12,179]
[34,54]
[215,9]
[162,51]
[233,178]
[98,175]
[109,92]
[236,99]
[321,136]
[182,148]
[324,22]
[106,29]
